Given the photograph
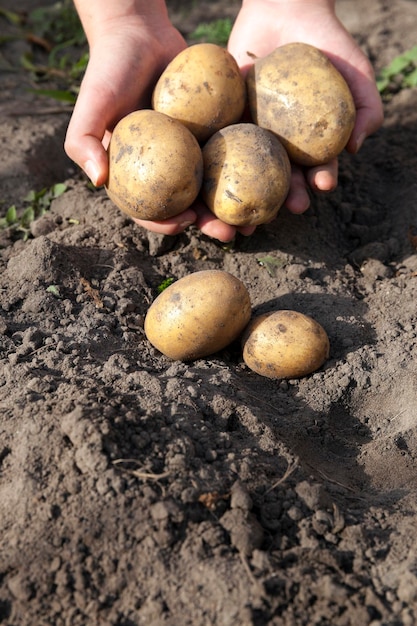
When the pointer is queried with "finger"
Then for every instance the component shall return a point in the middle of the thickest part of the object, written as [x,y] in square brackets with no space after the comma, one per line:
[171,226]
[369,108]
[211,226]
[298,198]
[368,119]
[85,133]
[323,177]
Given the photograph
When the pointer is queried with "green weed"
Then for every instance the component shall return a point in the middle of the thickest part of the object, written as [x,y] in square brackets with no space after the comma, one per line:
[271,264]
[165,283]
[56,31]
[401,73]
[35,204]
[217,32]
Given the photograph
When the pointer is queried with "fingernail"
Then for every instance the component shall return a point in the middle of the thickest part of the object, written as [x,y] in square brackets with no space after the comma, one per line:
[186,224]
[90,168]
[360,141]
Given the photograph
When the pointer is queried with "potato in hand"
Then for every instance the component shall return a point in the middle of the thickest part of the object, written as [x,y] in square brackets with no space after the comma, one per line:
[297,93]
[155,166]
[246,175]
[203,88]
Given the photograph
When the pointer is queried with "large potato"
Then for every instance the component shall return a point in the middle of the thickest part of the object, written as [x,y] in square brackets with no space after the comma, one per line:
[298,93]
[155,166]
[284,344]
[202,87]
[198,315]
[246,175]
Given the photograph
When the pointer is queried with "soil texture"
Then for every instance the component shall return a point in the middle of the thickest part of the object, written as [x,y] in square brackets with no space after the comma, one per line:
[139,491]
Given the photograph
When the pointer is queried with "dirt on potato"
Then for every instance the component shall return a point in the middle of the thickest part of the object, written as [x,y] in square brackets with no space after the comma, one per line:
[135,490]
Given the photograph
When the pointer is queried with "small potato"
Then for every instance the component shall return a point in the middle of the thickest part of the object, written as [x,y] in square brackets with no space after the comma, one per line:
[198,315]
[155,166]
[246,175]
[203,88]
[284,344]
[299,94]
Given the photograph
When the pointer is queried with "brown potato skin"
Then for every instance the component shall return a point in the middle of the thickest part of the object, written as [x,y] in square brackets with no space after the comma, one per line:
[284,344]
[155,166]
[198,315]
[203,88]
[297,93]
[246,175]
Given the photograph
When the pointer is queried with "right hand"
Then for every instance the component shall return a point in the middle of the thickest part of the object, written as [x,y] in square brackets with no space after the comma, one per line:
[126,59]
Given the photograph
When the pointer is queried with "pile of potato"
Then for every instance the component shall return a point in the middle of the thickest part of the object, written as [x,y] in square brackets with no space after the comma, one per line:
[185,322]
[193,142]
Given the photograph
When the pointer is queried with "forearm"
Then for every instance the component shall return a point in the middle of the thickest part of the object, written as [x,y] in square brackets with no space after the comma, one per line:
[99,15]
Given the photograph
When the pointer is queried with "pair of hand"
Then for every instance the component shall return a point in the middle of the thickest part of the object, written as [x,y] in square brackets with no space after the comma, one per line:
[128,53]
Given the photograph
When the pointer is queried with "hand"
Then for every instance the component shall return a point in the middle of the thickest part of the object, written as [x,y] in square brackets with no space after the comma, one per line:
[263,25]
[125,60]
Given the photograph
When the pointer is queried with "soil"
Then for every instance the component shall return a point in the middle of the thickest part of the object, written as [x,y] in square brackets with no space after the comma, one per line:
[135,490]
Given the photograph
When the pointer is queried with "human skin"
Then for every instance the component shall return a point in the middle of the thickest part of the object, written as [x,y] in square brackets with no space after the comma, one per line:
[132,41]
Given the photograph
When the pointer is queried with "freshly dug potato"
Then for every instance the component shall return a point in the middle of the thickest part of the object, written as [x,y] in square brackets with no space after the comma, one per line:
[203,88]
[246,175]
[198,315]
[298,93]
[284,344]
[155,166]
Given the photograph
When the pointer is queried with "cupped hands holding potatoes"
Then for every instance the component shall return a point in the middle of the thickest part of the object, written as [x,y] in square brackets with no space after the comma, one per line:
[131,43]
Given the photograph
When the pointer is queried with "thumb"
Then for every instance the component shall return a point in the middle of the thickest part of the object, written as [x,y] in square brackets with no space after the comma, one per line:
[87,136]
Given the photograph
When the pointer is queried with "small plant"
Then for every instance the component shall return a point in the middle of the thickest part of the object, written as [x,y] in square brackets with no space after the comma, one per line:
[165,283]
[217,32]
[271,264]
[36,204]
[401,73]
[56,31]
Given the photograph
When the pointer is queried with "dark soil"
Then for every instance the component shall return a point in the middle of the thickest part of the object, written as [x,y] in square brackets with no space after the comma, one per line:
[139,491]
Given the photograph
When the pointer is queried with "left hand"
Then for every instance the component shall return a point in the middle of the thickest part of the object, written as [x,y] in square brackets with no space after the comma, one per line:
[263,25]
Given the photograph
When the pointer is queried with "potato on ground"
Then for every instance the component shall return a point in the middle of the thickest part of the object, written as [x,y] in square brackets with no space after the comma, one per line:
[246,175]
[297,93]
[203,88]
[284,344]
[155,166]
[198,315]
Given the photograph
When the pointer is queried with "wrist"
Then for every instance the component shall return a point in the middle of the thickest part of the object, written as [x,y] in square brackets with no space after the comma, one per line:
[98,17]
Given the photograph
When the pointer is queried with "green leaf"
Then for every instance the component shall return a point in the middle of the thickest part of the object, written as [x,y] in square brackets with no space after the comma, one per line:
[11,214]
[398,65]
[10,218]
[13,18]
[31,196]
[28,216]
[54,290]
[217,32]
[382,84]
[58,189]
[404,66]
[165,283]
[410,80]
[271,264]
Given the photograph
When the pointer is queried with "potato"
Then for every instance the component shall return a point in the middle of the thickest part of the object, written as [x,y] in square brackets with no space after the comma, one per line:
[284,344]
[246,175]
[155,166]
[298,93]
[203,88]
[198,315]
